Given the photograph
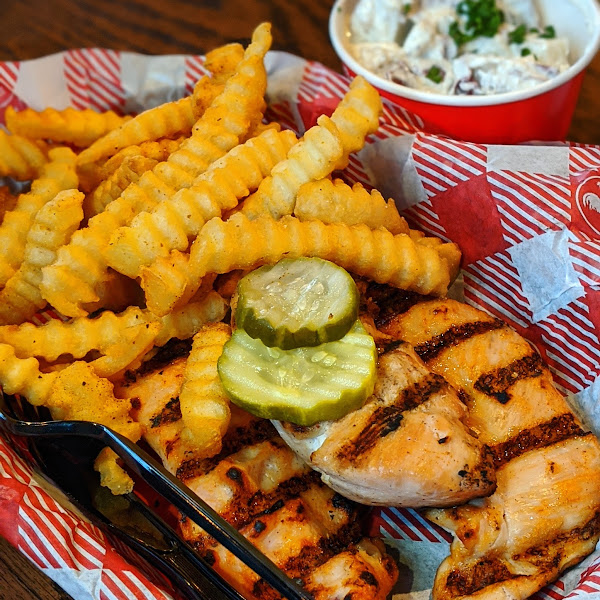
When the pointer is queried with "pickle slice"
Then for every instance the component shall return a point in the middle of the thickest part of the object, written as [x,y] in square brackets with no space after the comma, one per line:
[297,302]
[303,385]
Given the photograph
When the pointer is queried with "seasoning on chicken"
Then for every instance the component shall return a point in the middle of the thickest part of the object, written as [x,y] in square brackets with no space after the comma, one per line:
[407,446]
[545,513]
[266,491]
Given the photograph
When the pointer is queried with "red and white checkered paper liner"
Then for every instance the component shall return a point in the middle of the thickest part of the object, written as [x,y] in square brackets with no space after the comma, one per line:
[527,219]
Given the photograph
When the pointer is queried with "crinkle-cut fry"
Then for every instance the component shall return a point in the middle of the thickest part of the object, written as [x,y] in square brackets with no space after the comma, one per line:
[448,250]
[171,224]
[52,227]
[105,333]
[228,118]
[56,175]
[129,171]
[259,128]
[76,337]
[23,376]
[80,270]
[185,322]
[126,352]
[20,157]
[78,393]
[166,283]
[222,61]
[93,174]
[376,254]
[70,125]
[323,149]
[169,119]
[112,475]
[72,281]
[336,202]
[204,403]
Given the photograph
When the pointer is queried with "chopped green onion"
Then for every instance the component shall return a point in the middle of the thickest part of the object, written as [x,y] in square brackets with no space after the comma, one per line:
[548,33]
[517,36]
[435,74]
[525,51]
[483,18]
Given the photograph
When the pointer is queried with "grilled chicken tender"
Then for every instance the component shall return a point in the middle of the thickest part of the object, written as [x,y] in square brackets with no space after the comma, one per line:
[545,513]
[266,491]
[407,446]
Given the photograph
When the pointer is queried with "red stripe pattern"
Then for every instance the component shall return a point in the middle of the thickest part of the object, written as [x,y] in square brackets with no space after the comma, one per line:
[93,78]
[194,70]
[491,214]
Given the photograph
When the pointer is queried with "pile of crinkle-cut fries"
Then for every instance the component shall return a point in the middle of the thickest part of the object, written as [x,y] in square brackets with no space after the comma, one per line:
[135,229]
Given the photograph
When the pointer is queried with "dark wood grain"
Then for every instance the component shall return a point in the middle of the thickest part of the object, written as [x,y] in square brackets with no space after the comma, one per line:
[19,580]
[33,28]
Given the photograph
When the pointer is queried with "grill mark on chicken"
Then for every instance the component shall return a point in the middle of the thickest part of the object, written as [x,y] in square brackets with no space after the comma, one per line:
[546,555]
[340,529]
[170,413]
[453,336]
[498,382]
[489,570]
[312,556]
[483,573]
[259,430]
[243,509]
[558,429]
[165,355]
[387,419]
[384,302]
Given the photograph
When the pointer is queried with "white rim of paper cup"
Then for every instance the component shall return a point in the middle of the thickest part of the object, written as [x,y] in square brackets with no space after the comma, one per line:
[339,36]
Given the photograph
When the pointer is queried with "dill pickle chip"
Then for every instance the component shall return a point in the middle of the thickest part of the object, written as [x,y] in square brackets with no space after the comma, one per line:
[297,302]
[302,385]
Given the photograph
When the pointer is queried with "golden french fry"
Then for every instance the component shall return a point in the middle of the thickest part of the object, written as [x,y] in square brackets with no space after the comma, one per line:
[22,376]
[76,337]
[228,118]
[20,157]
[79,394]
[171,224]
[71,126]
[448,250]
[112,475]
[55,176]
[169,119]
[129,171]
[72,281]
[223,60]
[166,120]
[91,175]
[52,227]
[376,254]
[323,148]
[119,339]
[203,401]
[166,283]
[336,202]
[127,351]
[185,322]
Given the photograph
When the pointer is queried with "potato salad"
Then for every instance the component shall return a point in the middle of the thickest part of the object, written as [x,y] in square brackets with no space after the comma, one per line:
[473,47]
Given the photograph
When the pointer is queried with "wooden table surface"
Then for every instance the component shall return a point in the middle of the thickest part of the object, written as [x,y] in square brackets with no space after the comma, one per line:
[39,27]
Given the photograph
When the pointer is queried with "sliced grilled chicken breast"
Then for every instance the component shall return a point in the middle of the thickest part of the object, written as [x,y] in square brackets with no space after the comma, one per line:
[266,491]
[407,446]
[545,513]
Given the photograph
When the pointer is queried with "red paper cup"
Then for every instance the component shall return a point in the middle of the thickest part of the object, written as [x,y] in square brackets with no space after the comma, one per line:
[541,113]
